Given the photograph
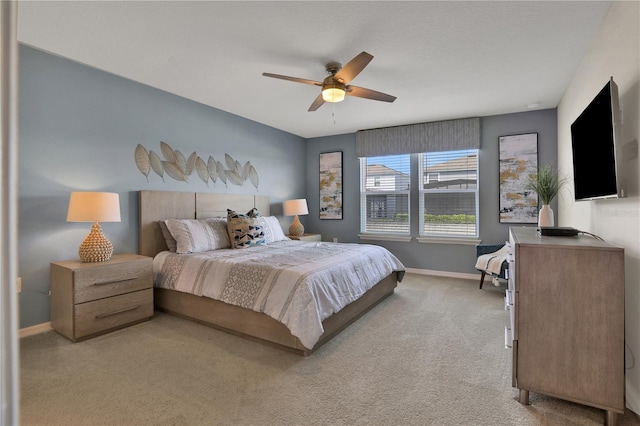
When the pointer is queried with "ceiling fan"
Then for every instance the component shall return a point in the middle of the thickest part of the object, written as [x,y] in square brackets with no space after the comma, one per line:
[336,85]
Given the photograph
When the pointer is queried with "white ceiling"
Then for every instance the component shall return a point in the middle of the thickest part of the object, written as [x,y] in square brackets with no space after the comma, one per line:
[443,60]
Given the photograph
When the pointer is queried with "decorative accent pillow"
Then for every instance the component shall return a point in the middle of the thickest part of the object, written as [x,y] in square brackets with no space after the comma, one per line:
[198,235]
[168,238]
[272,229]
[245,230]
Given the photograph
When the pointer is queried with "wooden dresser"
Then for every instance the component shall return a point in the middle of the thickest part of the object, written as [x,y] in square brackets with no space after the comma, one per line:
[88,299]
[566,306]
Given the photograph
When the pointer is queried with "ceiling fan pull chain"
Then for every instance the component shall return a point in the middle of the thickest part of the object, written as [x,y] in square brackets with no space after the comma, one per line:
[334,114]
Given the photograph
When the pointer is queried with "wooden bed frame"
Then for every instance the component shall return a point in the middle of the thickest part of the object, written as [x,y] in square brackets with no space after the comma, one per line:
[157,205]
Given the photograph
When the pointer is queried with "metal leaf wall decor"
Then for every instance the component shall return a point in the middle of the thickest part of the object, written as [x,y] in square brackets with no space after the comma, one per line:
[181,168]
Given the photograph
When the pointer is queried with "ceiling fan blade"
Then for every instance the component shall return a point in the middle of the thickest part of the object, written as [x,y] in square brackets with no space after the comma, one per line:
[295,79]
[317,103]
[361,92]
[353,67]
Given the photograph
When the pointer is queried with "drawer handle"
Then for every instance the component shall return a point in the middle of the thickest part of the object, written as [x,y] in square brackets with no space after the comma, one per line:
[115,281]
[507,341]
[121,311]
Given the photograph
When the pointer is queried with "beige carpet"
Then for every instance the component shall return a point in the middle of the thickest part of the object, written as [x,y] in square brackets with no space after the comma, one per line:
[431,354]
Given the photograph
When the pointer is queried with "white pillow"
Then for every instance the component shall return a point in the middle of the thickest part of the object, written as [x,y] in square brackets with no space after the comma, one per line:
[272,229]
[168,238]
[198,235]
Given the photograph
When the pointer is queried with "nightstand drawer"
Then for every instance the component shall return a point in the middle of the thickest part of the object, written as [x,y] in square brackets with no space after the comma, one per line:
[306,237]
[111,280]
[112,312]
[95,297]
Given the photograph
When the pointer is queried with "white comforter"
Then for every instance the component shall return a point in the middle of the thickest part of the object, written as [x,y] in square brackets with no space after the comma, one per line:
[295,282]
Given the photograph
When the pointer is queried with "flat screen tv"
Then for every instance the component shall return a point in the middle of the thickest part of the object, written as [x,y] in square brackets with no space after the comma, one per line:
[595,135]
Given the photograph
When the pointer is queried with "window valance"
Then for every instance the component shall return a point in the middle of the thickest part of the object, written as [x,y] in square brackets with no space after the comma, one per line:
[450,135]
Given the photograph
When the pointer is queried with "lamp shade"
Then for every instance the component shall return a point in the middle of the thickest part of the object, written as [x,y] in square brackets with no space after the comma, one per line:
[296,207]
[94,207]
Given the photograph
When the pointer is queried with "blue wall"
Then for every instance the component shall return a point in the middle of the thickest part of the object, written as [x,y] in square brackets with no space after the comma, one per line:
[78,129]
[438,257]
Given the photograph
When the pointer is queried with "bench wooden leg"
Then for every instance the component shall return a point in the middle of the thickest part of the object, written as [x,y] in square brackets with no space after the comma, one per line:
[482,279]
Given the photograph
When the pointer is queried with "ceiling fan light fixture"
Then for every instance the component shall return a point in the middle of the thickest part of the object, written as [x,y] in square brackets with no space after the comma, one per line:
[333,90]
[333,94]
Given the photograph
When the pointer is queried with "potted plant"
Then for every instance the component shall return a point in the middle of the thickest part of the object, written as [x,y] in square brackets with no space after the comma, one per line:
[546,183]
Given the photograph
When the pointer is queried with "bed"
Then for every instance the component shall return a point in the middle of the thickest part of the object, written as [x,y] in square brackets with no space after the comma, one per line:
[160,205]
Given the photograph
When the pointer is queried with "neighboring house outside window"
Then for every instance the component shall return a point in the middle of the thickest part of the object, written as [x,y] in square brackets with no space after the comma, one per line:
[447,194]
[449,203]
[385,185]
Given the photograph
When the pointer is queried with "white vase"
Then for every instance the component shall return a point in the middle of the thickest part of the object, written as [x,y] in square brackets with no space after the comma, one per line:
[545,216]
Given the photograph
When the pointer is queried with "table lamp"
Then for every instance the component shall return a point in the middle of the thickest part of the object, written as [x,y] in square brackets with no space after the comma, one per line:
[94,207]
[294,208]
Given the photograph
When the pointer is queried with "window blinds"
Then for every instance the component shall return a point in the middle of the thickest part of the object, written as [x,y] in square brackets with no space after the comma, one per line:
[448,135]
[449,193]
[385,185]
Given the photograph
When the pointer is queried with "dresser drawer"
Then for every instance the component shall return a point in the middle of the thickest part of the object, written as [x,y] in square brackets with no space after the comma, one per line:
[512,316]
[112,312]
[512,262]
[111,280]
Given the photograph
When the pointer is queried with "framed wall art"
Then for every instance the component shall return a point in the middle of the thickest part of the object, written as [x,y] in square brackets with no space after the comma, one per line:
[331,185]
[518,161]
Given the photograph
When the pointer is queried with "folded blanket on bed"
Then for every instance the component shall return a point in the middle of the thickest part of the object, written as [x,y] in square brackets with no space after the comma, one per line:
[492,262]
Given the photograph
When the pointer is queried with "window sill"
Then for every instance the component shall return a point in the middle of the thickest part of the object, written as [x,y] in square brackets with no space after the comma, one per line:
[386,237]
[467,241]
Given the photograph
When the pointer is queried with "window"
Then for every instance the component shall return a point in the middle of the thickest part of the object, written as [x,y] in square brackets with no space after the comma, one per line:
[385,185]
[448,202]
[433,177]
[442,163]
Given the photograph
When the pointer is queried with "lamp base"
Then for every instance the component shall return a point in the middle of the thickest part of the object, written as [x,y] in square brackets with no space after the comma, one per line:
[96,247]
[296,229]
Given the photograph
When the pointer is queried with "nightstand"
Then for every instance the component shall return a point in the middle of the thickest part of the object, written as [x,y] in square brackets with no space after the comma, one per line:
[88,299]
[307,237]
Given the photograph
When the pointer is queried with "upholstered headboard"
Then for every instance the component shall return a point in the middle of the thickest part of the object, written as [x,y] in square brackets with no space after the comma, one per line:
[158,205]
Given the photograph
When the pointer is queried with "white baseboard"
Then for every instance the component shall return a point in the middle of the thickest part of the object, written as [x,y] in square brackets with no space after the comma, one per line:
[35,329]
[461,275]
[632,399]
